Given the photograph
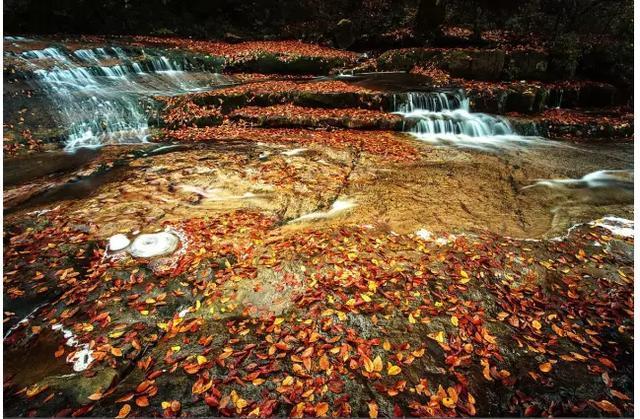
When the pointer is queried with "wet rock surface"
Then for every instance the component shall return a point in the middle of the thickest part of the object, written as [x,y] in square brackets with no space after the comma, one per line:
[293,255]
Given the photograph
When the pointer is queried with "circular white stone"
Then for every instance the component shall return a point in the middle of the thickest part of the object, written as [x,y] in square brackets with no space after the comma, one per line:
[118,242]
[156,244]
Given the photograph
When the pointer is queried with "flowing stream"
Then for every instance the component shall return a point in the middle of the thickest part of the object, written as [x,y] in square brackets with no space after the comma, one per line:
[101,94]
[444,118]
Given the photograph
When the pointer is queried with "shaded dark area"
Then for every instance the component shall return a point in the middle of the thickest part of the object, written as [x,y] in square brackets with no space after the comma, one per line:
[588,38]
[405,20]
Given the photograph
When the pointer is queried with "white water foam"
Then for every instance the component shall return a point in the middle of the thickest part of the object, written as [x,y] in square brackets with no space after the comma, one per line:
[619,227]
[152,245]
[108,104]
[337,207]
[82,357]
[597,179]
[444,118]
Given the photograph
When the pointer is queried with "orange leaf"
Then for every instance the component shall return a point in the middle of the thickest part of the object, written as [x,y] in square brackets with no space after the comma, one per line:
[59,352]
[322,409]
[175,406]
[373,409]
[607,363]
[96,396]
[324,363]
[545,367]
[124,411]
[619,395]
[307,352]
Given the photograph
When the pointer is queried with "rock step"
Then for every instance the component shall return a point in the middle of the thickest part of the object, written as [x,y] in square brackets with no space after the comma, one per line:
[390,145]
[477,64]
[483,64]
[289,104]
[310,93]
[271,57]
[279,57]
[292,116]
[489,97]
[576,125]
[531,98]
[127,60]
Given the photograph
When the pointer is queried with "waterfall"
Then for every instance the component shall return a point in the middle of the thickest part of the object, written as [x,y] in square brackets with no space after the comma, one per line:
[102,95]
[444,118]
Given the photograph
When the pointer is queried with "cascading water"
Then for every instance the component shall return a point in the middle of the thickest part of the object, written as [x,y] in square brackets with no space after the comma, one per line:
[102,94]
[444,118]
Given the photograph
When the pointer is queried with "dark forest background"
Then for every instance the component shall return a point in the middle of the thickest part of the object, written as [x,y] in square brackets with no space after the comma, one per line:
[598,33]
[314,19]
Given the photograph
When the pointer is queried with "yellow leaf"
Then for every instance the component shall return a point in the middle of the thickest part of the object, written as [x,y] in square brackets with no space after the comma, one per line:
[368,365]
[287,381]
[454,321]
[536,325]
[386,345]
[412,320]
[448,402]
[464,277]
[373,286]
[438,337]
[201,360]
[377,364]
[393,369]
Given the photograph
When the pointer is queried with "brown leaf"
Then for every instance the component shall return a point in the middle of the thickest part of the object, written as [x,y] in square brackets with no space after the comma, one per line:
[606,406]
[619,395]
